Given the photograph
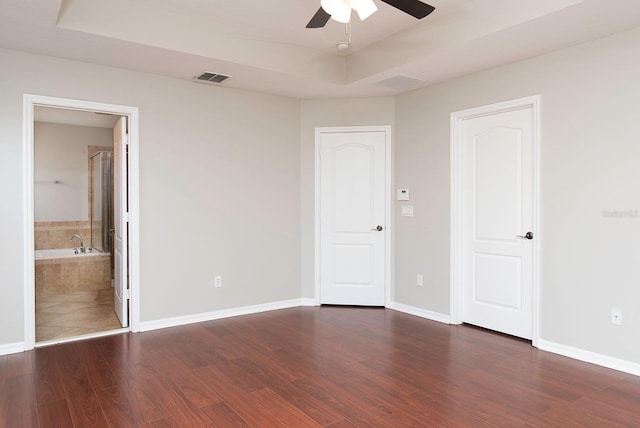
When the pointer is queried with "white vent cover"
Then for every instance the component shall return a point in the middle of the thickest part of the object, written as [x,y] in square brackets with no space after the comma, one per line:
[211,77]
[401,82]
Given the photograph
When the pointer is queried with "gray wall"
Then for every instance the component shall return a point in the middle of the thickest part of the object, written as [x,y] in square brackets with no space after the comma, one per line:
[227,186]
[590,156]
[219,187]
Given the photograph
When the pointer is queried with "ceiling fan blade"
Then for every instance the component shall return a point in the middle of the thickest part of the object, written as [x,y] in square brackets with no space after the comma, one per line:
[319,20]
[415,8]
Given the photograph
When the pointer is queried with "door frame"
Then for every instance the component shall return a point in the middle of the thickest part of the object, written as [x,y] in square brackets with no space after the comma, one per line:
[30,101]
[387,203]
[456,189]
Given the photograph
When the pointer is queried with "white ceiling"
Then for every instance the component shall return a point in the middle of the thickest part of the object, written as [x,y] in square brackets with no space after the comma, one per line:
[265,46]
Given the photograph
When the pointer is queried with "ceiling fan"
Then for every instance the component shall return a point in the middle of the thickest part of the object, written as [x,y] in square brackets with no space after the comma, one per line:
[340,10]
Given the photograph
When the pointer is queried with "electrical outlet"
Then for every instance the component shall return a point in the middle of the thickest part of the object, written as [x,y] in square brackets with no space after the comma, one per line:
[217,282]
[419,280]
[616,316]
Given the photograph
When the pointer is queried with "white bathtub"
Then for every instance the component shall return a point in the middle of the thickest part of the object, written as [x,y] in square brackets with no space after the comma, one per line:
[64,253]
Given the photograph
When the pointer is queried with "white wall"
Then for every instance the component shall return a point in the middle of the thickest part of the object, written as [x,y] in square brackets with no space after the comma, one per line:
[322,113]
[60,153]
[219,187]
[589,164]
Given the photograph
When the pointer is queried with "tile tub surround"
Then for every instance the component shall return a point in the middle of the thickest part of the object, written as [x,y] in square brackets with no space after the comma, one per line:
[57,234]
[71,274]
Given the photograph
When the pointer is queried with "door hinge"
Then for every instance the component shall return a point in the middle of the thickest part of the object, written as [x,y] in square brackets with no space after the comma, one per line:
[125,217]
[127,294]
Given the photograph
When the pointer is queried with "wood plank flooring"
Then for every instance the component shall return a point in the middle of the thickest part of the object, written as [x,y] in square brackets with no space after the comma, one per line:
[310,367]
[74,314]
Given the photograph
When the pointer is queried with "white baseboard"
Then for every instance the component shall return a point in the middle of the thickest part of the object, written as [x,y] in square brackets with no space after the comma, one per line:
[12,348]
[419,312]
[223,313]
[590,357]
[308,302]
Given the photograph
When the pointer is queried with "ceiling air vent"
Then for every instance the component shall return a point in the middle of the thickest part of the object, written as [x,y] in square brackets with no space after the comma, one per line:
[211,77]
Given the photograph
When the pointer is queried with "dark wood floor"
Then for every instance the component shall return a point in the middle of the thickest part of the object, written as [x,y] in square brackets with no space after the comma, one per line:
[335,367]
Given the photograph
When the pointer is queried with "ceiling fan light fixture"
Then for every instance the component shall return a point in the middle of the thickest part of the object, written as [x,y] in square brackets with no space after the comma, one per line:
[365,8]
[344,16]
[340,10]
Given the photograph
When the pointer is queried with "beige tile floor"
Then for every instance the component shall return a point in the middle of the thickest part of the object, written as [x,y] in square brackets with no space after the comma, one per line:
[74,314]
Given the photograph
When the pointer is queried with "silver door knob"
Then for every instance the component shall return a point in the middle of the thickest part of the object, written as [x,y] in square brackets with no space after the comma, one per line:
[378,228]
[528,235]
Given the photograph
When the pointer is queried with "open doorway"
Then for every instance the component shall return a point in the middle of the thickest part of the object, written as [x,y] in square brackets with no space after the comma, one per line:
[81,231]
[74,211]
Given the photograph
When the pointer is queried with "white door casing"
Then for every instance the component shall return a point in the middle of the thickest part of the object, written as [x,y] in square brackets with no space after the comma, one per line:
[494,202]
[120,223]
[30,101]
[352,216]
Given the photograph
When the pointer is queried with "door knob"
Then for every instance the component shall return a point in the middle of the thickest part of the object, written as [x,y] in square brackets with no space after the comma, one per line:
[378,228]
[528,235]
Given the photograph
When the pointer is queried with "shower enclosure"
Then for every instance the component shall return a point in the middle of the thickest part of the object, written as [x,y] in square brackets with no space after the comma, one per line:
[101,211]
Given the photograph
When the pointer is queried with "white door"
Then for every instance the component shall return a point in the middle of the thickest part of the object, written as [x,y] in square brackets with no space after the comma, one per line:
[120,207]
[353,218]
[498,221]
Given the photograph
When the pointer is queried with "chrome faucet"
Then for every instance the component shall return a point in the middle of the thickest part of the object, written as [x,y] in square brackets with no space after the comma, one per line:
[82,249]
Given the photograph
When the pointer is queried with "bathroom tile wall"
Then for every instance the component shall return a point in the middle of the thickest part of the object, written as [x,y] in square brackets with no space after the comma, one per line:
[57,234]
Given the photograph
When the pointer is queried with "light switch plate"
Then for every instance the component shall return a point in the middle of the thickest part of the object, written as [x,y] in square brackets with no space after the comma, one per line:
[407,211]
[402,194]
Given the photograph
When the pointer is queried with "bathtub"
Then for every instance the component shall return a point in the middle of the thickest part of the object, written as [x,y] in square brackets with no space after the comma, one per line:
[61,271]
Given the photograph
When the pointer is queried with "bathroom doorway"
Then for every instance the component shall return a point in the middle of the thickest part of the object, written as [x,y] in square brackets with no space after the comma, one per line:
[82,204]
[73,184]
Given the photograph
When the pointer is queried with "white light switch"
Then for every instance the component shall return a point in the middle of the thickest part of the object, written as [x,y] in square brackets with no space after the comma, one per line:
[402,194]
[407,211]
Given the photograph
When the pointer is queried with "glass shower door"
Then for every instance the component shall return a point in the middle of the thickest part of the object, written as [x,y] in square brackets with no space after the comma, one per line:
[101,203]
